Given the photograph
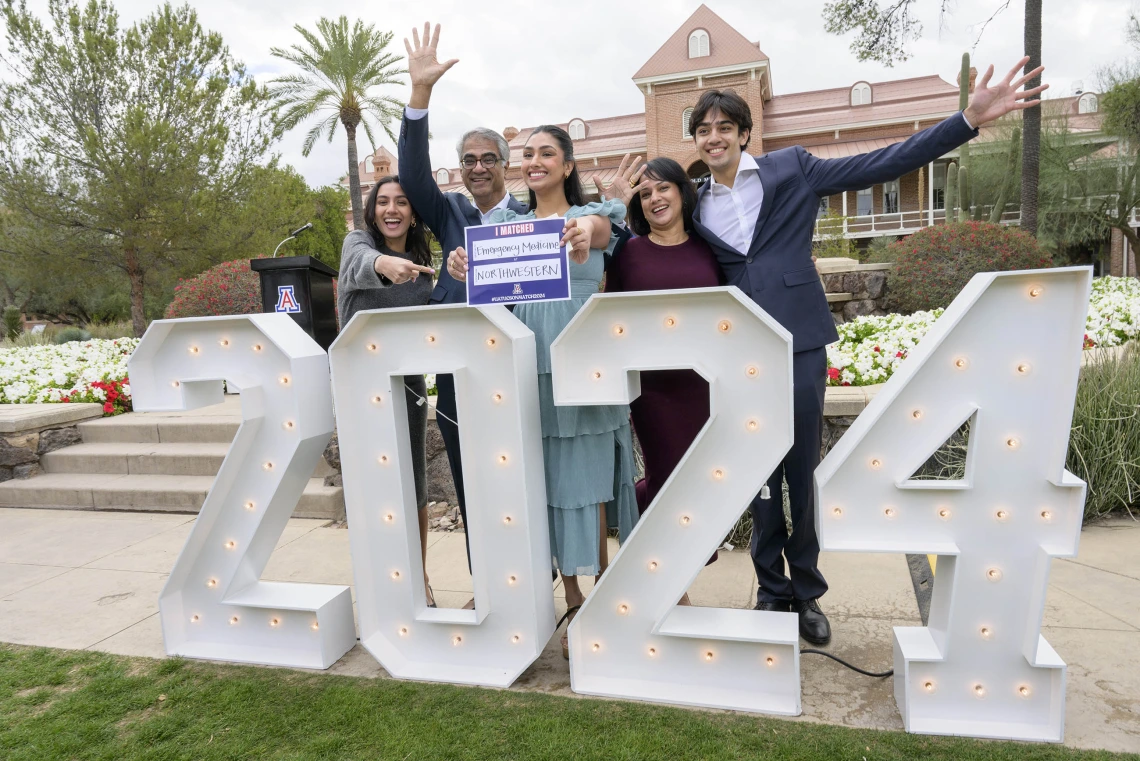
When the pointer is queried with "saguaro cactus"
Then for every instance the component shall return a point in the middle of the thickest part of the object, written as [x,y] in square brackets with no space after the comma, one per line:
[1010,176]
[964,212]
[952,192]
[964,151]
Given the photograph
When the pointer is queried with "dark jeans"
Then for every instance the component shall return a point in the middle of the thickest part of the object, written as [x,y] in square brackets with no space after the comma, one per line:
[770,541]
[445,404]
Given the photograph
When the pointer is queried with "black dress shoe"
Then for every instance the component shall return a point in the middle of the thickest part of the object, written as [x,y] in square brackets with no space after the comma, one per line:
[780,606]
[813,624]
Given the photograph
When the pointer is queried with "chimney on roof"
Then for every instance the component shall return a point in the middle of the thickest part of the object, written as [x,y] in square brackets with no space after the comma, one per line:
[510,133]
[973,78]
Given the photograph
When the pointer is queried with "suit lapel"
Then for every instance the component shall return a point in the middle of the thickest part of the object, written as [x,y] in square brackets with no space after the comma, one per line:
[768,181]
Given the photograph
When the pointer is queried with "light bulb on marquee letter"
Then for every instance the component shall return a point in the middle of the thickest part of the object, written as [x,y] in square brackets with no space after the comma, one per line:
[994,556]
[714,482]
[497,400]
[231,541]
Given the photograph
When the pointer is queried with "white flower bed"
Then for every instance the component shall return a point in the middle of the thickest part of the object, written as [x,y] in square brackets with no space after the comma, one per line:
[79,371]
[870,348]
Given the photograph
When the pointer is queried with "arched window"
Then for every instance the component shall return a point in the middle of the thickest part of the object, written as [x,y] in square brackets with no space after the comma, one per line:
[861,94]
[686,123]
[442,177]
[577,130]
[1088,104]
[369,167]
[699,44]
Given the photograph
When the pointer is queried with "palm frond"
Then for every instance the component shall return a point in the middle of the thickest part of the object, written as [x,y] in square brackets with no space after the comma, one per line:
[315,133]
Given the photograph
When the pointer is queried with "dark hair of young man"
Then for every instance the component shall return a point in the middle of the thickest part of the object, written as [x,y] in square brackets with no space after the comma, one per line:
[731,106]
[572,185]
[664,170]
[417,242]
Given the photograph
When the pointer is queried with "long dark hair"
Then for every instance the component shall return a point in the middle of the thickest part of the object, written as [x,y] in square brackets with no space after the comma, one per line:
[572,185]
[416,244]
[664,170]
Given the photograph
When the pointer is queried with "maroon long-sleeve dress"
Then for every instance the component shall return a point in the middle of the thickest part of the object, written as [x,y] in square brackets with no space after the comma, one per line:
[674,404]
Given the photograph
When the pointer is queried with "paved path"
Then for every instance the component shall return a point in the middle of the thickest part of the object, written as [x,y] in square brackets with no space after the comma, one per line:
[91,580]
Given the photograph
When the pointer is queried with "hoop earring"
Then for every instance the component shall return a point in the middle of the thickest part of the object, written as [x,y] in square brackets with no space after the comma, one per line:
[413,223]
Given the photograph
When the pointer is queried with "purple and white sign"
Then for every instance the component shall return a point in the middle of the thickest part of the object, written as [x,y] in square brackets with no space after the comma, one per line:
[517,261]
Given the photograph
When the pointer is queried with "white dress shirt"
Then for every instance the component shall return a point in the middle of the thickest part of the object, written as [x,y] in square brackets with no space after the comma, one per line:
[419,113]
[730,213]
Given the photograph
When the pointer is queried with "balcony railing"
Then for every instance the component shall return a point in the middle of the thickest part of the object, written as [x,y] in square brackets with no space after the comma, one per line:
[900,223]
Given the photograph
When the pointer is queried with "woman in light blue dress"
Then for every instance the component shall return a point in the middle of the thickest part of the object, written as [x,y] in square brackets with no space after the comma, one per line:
[587,451]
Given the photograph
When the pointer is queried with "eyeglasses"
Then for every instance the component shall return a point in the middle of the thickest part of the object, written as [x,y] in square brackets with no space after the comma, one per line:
[488,160]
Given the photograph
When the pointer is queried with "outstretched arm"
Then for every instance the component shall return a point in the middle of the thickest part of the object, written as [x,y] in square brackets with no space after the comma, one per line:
[830,176]
[415,161]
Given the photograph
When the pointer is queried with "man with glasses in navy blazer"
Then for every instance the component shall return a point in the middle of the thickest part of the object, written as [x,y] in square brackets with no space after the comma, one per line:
[758,214]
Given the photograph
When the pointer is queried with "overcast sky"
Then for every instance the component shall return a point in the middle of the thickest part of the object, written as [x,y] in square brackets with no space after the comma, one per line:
[524,62]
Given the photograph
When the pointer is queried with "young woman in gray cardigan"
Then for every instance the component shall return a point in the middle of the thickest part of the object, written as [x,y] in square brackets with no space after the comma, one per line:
[387,265]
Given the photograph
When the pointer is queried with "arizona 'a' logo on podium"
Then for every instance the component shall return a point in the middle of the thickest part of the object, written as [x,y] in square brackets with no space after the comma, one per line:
[287,300]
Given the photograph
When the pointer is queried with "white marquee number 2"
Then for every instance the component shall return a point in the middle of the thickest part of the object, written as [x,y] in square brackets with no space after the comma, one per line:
[1004,356]
[214,604]
[492,356]
[630,639]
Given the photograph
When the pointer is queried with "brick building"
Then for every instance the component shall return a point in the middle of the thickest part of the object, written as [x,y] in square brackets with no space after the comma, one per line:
[706,53]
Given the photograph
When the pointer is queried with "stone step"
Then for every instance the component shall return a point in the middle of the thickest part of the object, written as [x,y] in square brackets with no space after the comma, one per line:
[150,493]
[136,428]
[121,458]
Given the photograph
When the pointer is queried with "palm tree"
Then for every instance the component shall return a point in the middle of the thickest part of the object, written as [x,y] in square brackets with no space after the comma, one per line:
[1031,122]
[339,68]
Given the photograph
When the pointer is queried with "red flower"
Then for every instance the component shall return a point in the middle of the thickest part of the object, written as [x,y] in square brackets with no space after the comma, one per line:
[108,408]
[898,354]
[833,373]
[877,349]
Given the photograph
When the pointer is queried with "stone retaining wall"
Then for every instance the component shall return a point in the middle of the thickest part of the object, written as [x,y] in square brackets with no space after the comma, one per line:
[29,431]
[854,289]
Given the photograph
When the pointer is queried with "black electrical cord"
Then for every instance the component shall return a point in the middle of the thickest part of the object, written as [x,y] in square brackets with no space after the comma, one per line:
[811,651]
[569,612]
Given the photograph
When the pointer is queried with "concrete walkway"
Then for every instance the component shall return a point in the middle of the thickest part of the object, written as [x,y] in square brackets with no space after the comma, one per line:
[91,580]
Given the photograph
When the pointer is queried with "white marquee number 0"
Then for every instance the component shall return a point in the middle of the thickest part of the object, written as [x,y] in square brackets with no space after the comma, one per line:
[492,356]
[630,639]
[214,604]
[1005,356]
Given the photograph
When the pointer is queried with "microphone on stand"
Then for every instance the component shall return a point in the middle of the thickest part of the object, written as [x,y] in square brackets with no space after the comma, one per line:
[292,235]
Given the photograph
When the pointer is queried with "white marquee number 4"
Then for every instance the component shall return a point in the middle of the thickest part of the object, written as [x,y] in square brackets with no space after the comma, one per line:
[630,639]
[1005,357]
[214,604]
[492,356]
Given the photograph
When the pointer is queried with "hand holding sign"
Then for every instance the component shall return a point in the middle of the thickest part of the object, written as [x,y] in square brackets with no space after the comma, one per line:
[457,264]
[576,237]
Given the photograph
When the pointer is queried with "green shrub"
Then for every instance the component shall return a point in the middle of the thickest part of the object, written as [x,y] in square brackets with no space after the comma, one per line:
[935,263]
[1104,449]
[832,244]
[72,334]
[111,330]
[881,250]
[13,322]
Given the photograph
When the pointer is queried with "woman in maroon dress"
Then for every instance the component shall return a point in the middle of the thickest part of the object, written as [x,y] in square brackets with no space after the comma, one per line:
[667,254]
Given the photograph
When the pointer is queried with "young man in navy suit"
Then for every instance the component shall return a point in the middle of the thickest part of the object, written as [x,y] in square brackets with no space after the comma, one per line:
[759,216]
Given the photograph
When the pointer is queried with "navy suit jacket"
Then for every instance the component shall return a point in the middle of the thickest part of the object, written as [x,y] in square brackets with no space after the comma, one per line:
[446,214]
[778,272]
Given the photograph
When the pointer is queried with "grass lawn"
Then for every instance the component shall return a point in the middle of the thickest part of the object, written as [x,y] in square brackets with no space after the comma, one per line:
[61,704]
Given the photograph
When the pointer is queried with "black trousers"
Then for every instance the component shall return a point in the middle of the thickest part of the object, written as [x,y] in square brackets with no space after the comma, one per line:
[445,404]
[771,543]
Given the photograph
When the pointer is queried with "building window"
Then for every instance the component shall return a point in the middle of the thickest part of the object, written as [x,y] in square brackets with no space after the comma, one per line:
[442,177]
[822,210]
[891,197]
[686,123]
[699,44]
[864,205]
[861,94]
[939,186]
[1088,104]
[577,130]
[369,168]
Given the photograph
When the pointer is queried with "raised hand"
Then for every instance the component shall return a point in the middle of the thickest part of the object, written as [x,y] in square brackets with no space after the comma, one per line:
[423,66]
[621,188]
[989,103]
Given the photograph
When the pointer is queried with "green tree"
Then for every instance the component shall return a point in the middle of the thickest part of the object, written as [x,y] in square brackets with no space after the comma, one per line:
[340,67]
[885,30]
[126,149]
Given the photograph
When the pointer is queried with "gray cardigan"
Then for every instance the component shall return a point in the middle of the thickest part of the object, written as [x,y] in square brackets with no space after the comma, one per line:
[360,287]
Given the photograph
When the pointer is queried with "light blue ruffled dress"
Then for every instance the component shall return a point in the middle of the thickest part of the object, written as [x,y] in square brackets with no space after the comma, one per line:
[587,451]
